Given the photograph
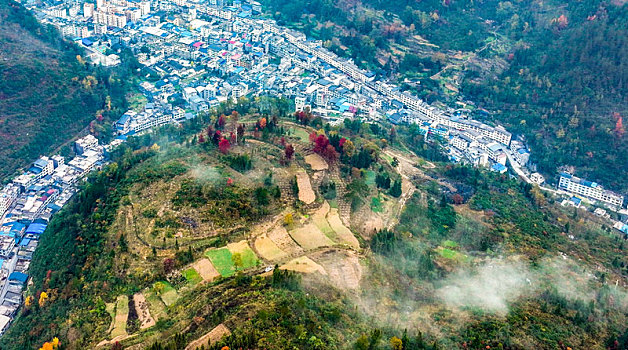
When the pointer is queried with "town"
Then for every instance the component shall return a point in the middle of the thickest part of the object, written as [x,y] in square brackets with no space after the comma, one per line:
[199,55]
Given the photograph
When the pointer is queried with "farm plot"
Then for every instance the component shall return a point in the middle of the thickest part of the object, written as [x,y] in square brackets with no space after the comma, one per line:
[303,264]
[319,219]
[156,307]
[205,269]
[316,162]
[221,259]
[122,313]
[249,259]
[310,237]
[306,194]
[284,241]
[166,292]
[143,311]
[344,234]
[268,249]
[192,276]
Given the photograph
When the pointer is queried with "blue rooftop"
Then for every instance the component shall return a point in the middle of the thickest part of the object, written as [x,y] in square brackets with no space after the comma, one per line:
[18,276]
[36,228]
[498,167]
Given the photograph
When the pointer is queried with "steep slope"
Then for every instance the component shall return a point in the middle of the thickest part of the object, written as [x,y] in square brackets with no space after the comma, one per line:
[47,91]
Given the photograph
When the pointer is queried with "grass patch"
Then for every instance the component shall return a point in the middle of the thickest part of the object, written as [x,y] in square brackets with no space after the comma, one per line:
[448,253]
[369,178]
[333,203]
[377,205]
[221,259]
[301,134]
[166,292]
[249,259]
[450,244]
[192,276]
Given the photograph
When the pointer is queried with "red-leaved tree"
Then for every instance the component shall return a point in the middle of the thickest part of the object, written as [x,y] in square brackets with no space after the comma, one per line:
[224,145]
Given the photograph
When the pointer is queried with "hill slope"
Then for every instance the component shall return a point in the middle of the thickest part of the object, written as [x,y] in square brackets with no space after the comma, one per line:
[169,245]
[552,70]
[47,92]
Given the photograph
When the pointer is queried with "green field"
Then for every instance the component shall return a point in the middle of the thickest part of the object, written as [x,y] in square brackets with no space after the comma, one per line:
[221,259]
[166,292]
[376,205]
[302,134]
[192,276]
[450,244]
[249,259]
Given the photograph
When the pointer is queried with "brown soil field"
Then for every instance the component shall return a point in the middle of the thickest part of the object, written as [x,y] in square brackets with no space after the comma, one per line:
[306,194]
[303,264]
[143,313]
[310,237]
[205,268]
[343,268]
[284,241]
[316,162]
[268,249]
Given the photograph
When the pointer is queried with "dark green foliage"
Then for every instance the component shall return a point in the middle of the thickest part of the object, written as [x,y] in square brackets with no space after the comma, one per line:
[382,180]
[356,191]
[395,190]
[240,162]
[328,189]
[261,196]
[184,257]
[443,216]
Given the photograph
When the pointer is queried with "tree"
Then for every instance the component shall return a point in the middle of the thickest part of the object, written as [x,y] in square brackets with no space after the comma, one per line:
[289,151]
[168,265]
[288,220]
[262,123]
[395,190]
[220,123]
[42,299]
[201,138]
[348,148]
[457,199]
[395,162]
[236,258]
[224,145]
[396,343]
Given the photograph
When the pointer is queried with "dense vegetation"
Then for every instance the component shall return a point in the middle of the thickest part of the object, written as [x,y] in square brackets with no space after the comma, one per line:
[45,82]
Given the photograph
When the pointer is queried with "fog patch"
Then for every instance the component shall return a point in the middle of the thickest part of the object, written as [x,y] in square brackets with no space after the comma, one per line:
[491,286]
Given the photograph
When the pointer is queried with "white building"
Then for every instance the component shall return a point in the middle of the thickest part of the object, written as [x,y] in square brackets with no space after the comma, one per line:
[589,189]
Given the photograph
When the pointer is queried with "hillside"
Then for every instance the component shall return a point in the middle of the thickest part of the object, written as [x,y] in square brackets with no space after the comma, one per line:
[48,93]
[173,245]
[551,70]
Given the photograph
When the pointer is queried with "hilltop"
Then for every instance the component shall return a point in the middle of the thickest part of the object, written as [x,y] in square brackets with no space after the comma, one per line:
[280,231]
[551,70]
[48,93]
